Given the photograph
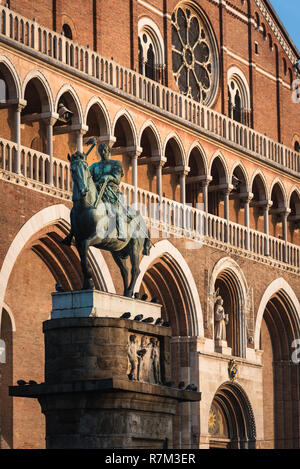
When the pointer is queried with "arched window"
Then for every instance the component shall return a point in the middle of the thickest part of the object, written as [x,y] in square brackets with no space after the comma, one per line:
[284,67]
[150,50]
[67,31]
[270,41]
[2,91]
[238,96]
[257,21]
[297,146]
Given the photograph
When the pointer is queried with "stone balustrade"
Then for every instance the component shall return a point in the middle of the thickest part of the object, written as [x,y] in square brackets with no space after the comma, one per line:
[165,216]
[31,36]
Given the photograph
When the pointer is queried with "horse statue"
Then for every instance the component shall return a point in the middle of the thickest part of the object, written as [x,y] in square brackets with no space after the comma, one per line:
[91,225]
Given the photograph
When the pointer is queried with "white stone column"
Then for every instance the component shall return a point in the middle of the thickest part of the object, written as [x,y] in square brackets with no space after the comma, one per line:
[227,192]
[183,172]
[18,109]
[50,121]
[159,167]
[266,209]
[134,153]
[284,215]
[247,201]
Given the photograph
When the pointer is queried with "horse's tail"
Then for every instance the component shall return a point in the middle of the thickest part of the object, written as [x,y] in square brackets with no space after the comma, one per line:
[147,244]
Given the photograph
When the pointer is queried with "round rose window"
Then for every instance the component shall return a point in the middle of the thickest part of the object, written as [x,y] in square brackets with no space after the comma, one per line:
[194,56]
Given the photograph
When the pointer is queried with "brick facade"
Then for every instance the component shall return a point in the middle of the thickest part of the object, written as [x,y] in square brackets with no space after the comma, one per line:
[184,275]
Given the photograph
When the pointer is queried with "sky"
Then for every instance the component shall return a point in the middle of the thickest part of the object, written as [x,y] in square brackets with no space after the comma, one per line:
[289,13]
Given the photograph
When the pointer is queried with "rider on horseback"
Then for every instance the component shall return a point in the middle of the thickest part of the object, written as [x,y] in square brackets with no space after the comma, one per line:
[107,175]
[111,172]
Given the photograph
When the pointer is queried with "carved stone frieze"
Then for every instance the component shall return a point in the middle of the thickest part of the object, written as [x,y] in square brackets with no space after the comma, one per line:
[144,359]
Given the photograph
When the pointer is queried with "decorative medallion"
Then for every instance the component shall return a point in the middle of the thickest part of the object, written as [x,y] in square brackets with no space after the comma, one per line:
[194,55]
[232,370]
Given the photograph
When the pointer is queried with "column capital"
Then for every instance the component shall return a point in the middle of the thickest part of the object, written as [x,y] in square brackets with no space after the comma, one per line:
[51,118]
[285,212]
[108,139]
[182,170]
[134,152]
[158,160]
[205,180]
[246,196]
[20,104]
[80,128]
[228,189]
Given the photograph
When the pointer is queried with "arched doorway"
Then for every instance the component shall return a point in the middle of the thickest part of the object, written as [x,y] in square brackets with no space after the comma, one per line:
[35,262]
[231,421]
[6,376]
[228,282]
[280,327]
[167,278]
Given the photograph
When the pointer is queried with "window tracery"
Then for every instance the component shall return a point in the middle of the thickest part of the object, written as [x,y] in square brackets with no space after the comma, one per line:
[150,51]
[193,55]
[238,97]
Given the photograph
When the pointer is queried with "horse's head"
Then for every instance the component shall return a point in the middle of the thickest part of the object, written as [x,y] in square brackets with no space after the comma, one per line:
[80,173]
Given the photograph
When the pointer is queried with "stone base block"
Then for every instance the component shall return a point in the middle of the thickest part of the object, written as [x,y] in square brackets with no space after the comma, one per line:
[94,303]
[107,414]
[221,347]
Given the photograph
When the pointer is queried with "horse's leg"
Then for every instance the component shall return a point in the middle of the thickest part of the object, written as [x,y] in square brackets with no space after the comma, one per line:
[88,283]
[121,263]
[135,247]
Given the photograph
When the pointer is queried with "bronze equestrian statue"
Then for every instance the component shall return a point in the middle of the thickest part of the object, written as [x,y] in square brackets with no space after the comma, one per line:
[100,218]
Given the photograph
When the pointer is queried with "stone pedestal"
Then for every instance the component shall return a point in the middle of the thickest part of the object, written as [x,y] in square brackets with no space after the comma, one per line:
[105,376]
[222,347]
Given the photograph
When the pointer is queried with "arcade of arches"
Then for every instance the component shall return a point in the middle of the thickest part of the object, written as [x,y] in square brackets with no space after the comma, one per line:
[232,420]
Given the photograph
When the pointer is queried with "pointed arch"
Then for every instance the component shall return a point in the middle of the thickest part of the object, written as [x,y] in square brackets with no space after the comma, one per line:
[11,317]
[258,173]
[43,87]
[198,147]
[294,189]
[240,164]
[238,413]
[51,215]
[11,76]
[96,100]
[218,156]
[149,124]
[180,156]
[124,114]
[277,181]
[68,89]
[278,285]
[165,249]
[148,26]
[228,277]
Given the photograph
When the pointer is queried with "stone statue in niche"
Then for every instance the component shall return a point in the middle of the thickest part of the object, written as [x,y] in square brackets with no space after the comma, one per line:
[144,359]
[221,320]
[155,359]
[143,353]
[132,358]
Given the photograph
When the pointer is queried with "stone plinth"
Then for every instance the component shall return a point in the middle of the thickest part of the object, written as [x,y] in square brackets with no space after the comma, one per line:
[105,377]
[221,346]
[94,303]
[96,348]
[109,413]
